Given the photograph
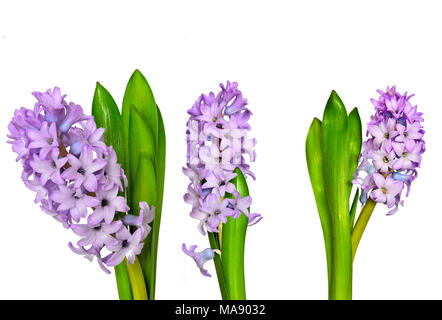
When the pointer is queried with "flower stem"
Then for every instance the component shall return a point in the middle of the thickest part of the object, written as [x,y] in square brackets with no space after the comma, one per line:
[215,244]
[360,225]
[135,272]
[341,274]
[123,282]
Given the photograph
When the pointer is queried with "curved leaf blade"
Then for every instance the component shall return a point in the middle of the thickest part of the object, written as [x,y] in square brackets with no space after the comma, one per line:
[107,115]
[140,140]
[354,145]
[335,149]
[315,158]
[233,245]
[144,190]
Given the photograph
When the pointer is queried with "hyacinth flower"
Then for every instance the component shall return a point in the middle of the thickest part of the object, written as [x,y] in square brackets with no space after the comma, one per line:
[386,166]
[72,162]
[217,145]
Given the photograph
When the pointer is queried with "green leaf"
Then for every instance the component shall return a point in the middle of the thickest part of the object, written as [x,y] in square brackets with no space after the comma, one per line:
[233,243]
[354,146]
[107,116]
[336,161]
[123,282]
[160,161]
[315,158]
[160,173]
[140,140]
[139,94]
[143,131]
[144,190]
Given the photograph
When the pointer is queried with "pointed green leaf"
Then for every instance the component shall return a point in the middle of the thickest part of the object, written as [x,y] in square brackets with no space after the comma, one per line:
[160,160]
[233,243]
[160,172]
[335,149]
[107,116]
[315,158]
[139,94]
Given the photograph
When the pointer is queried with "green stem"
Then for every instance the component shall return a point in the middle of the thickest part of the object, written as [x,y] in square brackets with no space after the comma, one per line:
[123,282]
[360,225]
[342,265]
[214,244]
[137,280]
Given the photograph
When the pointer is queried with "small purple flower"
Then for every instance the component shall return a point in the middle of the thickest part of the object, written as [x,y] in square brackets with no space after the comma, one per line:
[240,205]
[232,98]
[383,133]
[99,235]
[89,255]
[36,186]
[74,114]
[195,174]
[129,245]
[406,159]
[74,200]
[383,160]
[393,151]
[200,258]
[192,196]
[112,172]
[211,111]
[109,203]
[82,170]
[89,135]
[146,216]
[386,189]
[53,104]
[217,211]
[221,181]
[50,168]
[44,139]
[142,221]
[409,134]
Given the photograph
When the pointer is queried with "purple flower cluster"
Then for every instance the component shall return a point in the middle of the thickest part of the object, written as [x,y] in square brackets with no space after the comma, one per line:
[393,151]
[216,145]
[76,178]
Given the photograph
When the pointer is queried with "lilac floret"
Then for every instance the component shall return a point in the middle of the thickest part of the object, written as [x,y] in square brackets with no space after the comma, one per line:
[200,258]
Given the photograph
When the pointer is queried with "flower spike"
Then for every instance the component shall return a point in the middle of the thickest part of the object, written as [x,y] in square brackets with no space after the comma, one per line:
[76,178]
[393,151]
[217,145]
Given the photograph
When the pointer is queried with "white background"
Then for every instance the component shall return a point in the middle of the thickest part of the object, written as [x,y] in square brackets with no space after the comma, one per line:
[287,56]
